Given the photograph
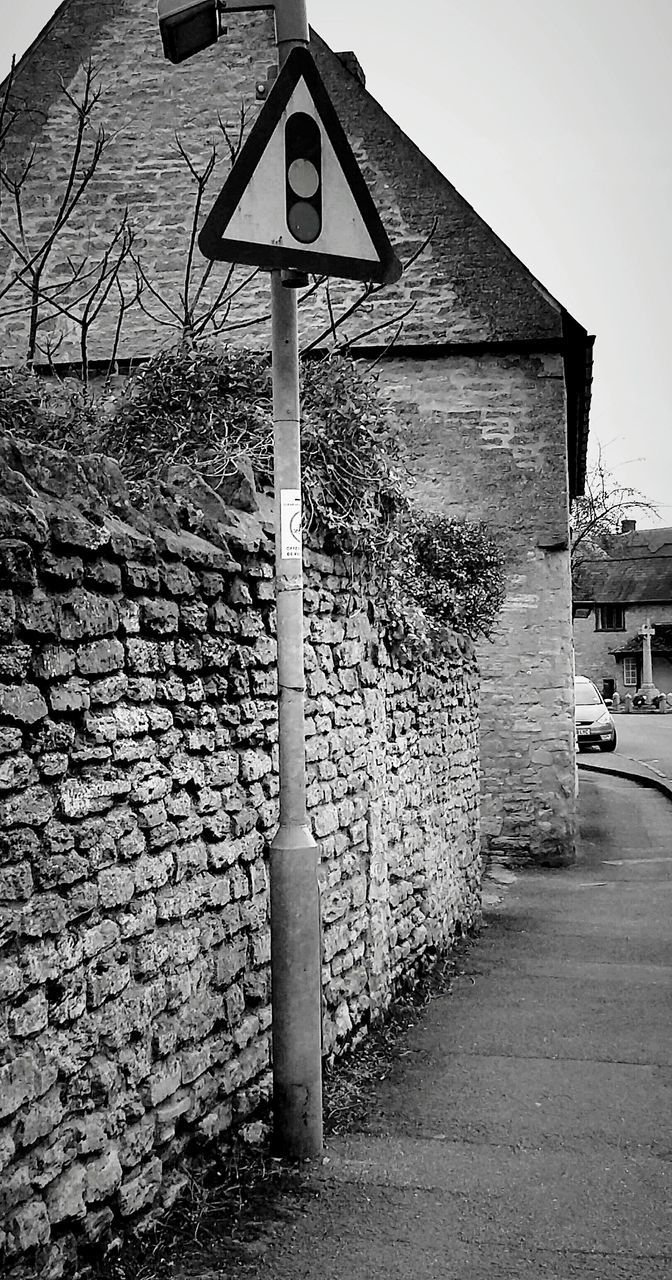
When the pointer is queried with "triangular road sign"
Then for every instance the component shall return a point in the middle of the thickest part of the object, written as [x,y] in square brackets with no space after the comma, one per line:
[295,196]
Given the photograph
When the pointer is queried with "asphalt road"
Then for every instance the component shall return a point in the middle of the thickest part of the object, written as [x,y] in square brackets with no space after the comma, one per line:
[647,738]
[523,1128]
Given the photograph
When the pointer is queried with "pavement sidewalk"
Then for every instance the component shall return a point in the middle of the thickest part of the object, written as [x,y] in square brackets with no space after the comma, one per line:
[524,1128]
[626,766]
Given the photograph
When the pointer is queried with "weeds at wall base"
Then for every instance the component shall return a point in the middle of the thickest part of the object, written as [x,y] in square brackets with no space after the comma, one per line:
[236,1193]
[231,1197]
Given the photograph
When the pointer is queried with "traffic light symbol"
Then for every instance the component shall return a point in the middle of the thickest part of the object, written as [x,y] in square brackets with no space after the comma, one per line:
[303,177]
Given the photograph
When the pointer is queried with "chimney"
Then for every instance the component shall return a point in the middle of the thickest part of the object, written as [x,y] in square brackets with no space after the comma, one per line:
[352,64]
[628,526]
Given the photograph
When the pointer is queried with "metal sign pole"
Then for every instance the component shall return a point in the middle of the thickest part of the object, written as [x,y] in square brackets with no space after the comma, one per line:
[295,907]
[282,229]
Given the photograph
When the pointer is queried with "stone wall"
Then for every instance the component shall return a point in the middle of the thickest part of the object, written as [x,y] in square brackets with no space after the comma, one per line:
[138,789]
[484,436]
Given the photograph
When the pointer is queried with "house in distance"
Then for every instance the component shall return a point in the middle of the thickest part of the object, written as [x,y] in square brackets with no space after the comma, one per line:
[615,595]
[488,376]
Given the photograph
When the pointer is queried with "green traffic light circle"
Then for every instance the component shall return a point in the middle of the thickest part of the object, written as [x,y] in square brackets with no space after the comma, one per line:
[304,222]
[303,178]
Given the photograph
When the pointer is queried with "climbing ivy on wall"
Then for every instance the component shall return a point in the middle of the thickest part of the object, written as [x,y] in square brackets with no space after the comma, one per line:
[458,572]
[210,408]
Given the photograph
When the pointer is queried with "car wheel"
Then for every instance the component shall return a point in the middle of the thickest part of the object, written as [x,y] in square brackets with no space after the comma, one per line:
[608,746]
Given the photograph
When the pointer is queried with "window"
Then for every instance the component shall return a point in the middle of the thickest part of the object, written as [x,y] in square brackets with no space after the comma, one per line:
[630,672]
[610,617]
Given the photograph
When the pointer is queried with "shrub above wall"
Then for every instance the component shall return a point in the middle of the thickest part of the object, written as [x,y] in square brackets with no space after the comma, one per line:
[211,410]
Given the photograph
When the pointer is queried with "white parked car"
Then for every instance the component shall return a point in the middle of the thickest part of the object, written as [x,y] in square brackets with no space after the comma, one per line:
[594,722]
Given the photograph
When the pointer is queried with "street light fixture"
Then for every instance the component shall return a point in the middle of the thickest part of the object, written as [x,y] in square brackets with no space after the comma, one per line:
[187,27]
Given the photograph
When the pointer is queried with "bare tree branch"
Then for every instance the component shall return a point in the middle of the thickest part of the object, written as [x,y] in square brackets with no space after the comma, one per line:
[125,305]
[596,516]
[201,178]
[7,114]
[369,291]
[33,260]
[386,350]
[234,145]
[177,315]
[376,328]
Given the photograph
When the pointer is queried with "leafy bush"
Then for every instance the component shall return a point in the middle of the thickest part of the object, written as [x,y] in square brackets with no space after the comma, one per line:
[459,573]
[202,408]
[208,408]
[60,413]
[21,402]
[353,481]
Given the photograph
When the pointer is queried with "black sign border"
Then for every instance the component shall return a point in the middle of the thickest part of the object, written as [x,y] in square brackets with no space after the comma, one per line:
[298,65]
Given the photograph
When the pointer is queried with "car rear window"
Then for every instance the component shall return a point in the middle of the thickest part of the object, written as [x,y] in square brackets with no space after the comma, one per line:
[586,695]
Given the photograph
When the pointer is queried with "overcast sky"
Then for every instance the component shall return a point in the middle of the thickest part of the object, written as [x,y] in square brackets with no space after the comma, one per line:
[555,122]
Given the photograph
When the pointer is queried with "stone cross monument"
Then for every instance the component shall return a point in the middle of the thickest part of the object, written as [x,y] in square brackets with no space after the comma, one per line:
[647,686]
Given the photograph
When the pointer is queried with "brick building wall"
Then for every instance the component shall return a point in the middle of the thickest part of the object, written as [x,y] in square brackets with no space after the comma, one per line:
[138,790]
[484,437]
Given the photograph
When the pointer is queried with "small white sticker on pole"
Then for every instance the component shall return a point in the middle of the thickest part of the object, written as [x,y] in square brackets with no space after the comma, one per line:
[290,524]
